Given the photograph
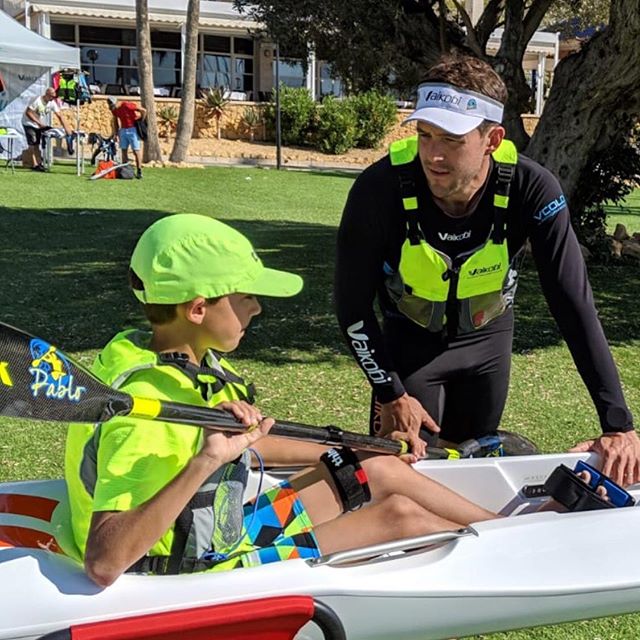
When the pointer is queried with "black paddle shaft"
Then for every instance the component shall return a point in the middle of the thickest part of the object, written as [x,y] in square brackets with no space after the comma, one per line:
[39,381]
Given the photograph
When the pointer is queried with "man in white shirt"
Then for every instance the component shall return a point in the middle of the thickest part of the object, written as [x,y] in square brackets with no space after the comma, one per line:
[33,122]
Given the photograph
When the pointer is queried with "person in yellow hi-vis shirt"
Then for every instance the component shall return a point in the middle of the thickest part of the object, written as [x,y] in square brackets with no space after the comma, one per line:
[435,231]
[165,498]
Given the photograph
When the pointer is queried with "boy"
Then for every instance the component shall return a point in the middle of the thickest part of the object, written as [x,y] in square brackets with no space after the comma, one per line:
[162,498]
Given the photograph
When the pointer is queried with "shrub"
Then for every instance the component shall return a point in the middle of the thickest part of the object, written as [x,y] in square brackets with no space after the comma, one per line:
[297,115]
[376,114]
[608,178]
[337,126]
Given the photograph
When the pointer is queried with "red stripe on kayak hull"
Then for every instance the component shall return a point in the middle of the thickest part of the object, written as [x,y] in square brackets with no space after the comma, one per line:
[268,619]
[24,505]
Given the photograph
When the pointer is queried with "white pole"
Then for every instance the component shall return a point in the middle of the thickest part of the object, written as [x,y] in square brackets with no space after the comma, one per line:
[542,57]
[311,73]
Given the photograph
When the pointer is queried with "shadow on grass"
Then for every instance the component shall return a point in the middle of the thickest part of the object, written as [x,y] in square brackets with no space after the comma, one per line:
[65,279]
[630,208]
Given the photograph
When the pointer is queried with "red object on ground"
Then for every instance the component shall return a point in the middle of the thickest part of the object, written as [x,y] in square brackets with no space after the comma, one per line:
[277,618]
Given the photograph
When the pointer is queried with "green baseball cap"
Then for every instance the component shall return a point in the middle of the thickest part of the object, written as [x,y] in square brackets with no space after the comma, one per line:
[183,256]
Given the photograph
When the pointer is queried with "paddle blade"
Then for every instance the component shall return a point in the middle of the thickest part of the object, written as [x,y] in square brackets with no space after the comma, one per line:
[39,381]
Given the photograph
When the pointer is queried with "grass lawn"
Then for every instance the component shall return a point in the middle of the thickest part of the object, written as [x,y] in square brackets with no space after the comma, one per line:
[65,243]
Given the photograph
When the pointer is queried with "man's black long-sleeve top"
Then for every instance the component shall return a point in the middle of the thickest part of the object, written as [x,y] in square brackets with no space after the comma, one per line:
[371,234]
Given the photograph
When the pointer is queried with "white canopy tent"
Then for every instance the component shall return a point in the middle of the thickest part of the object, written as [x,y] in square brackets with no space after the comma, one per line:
[19,45]
[26,60]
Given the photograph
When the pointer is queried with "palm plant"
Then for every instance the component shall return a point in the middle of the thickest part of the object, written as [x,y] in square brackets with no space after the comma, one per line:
[168,116]
[214,102]
[251,119]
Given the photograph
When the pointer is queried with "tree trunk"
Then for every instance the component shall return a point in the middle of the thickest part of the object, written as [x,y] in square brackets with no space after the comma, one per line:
[188,103]
[593,94]
[145,76]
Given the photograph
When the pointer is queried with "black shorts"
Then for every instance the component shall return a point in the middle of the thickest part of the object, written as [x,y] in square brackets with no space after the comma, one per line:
[34,135]
[462,383]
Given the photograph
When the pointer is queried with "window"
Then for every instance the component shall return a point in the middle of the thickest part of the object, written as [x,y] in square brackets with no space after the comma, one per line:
[109,56]
[327,85]
[63,33]
[226,62]
[291,73]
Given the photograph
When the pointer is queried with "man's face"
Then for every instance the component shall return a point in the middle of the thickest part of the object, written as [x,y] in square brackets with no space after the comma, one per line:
[453,164]
[49,95]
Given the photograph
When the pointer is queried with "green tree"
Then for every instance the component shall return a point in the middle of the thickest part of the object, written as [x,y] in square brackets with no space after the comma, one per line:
[593,99]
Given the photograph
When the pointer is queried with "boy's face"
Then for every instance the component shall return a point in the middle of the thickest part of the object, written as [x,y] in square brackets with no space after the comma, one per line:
[227,320]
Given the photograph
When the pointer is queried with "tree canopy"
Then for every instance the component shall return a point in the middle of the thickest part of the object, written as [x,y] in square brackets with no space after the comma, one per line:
[593,103]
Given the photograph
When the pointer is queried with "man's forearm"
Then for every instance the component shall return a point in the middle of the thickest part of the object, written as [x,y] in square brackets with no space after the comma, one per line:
[34,118]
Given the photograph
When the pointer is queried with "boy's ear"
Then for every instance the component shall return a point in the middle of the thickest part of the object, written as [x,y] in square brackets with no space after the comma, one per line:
[195,310]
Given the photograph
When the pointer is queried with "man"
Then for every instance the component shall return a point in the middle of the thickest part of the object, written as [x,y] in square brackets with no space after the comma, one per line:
[436,231]
[33,122]
[127,113]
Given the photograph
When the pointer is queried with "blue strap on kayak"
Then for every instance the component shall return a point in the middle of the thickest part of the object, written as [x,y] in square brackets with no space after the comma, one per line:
[575,494]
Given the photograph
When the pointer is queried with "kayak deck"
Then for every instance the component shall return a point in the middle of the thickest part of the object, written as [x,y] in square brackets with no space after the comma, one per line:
[533,569]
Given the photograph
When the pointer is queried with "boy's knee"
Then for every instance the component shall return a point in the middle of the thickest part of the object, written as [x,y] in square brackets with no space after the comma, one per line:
[382,472]
[401,509]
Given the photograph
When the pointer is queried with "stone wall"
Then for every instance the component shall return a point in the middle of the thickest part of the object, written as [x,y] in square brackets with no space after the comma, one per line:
[96,117]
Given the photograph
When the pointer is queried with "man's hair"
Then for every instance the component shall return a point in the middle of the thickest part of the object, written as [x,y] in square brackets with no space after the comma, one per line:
[157,314]
[469,73]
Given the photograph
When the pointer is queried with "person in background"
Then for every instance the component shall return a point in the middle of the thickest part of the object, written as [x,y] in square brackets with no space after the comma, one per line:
[34,124]
[125,115]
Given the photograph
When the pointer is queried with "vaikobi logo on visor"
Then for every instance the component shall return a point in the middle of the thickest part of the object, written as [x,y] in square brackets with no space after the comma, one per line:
[455,110]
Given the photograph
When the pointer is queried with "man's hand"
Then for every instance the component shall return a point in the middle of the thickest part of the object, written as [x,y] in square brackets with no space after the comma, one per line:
[406,414]
[620,454]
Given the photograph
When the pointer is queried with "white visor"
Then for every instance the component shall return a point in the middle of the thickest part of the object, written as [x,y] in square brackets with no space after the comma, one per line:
[455,110]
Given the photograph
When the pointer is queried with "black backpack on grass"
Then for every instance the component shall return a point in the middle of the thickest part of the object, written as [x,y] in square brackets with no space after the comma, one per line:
[126,173]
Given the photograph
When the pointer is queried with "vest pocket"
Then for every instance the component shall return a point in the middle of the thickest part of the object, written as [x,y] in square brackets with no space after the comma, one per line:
[429,315]
[478,311]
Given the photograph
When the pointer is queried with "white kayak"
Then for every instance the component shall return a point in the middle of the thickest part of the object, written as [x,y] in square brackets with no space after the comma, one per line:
[524,570]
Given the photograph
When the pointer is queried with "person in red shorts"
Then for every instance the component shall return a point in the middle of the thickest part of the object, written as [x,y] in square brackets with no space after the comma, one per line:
[125,115]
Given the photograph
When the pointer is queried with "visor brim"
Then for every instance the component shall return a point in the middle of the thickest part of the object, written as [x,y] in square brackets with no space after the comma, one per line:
[449,121]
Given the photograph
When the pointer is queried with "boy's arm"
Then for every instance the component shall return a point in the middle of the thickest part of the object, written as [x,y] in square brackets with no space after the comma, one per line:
[117,539]
[142,111]
[284,452]
[274,450]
